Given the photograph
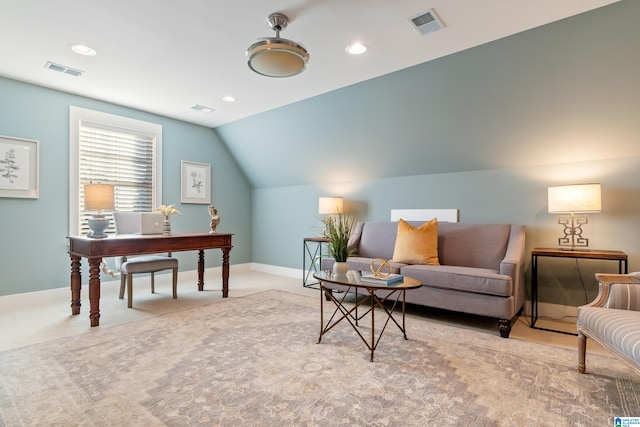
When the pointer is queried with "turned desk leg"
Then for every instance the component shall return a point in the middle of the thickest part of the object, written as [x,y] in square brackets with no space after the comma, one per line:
[201,270]
[94,290]
[225,273]
[76,284]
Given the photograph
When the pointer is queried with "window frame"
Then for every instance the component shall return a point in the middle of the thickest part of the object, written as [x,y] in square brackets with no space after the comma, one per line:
[76,116]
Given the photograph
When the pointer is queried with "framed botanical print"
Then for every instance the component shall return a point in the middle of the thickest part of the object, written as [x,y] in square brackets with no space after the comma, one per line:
[19,167]
[196,182]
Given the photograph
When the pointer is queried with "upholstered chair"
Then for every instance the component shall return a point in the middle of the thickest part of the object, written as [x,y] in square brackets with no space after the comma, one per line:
[612,319]
[130,223]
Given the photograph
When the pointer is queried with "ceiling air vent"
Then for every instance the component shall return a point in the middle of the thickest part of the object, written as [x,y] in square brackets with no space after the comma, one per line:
[426,22]
[202,108]
[63,69]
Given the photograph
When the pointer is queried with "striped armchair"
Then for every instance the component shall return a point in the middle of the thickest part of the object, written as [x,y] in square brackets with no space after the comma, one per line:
[612,319]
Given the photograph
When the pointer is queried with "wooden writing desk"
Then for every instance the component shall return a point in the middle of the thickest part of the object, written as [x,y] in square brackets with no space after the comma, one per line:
[95,249]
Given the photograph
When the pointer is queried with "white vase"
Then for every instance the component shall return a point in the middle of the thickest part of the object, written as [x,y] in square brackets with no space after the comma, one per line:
[340,268]
[166,227]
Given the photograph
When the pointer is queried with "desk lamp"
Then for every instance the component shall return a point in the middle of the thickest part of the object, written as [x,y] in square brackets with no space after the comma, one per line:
[98,197]
[572,199]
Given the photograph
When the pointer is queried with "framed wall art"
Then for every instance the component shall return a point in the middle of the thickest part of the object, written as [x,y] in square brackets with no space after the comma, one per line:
[19,167]
[196,182]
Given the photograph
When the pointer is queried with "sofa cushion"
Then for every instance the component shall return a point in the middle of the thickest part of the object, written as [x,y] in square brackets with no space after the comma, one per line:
[473,245]
[619,328]
[468,279]
[417,245]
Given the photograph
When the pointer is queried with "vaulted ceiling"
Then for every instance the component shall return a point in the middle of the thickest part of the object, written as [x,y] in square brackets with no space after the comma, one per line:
[166,56]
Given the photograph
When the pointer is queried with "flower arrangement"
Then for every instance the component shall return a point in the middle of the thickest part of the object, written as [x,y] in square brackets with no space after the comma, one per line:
[167,211]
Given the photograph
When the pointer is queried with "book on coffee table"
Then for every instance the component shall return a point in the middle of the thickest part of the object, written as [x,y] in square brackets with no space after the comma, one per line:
[392,279]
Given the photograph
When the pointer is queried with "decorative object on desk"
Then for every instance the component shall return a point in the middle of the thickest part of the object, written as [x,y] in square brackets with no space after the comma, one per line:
[196,182]
[377,270]
[329,207]
[572,199]
[215,219]
[98,198]
[275,56]
[167,211]
[19,163]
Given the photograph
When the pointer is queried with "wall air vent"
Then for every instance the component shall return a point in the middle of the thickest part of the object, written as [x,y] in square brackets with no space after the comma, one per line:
[426,22]
[63,69]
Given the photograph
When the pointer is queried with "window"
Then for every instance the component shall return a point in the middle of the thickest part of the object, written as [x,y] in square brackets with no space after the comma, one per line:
[116,150]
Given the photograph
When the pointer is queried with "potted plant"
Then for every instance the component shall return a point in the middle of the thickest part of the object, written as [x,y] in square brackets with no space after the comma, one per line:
[338,229]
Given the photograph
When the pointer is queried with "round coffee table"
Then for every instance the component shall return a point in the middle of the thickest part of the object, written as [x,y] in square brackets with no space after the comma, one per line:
[377,295]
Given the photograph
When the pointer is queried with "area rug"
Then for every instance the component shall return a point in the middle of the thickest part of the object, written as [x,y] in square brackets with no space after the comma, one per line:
[255,361]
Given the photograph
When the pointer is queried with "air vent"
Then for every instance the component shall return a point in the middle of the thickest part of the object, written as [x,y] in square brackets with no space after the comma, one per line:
[426,22]
[202,108]
[63,69]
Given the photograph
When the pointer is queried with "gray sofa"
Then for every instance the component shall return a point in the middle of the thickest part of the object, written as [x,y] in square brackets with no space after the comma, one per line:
[481,271]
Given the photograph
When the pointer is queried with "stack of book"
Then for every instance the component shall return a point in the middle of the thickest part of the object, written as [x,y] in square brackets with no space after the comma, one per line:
[392,279]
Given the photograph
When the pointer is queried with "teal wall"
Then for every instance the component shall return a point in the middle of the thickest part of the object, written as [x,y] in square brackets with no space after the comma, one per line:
[33,249]
[485,131]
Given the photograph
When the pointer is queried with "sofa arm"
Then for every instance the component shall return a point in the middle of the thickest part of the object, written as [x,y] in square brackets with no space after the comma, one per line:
[514,255]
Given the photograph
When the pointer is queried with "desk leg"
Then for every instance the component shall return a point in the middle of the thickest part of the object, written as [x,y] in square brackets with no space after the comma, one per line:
[201,270]
[225,273]
[94,290]
[76,284]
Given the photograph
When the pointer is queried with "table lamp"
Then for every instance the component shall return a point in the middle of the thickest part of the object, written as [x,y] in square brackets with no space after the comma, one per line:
[572,199]
[329,206]
[98,198]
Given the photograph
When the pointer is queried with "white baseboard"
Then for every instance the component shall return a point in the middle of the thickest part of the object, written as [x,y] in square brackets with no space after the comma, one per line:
[280,271]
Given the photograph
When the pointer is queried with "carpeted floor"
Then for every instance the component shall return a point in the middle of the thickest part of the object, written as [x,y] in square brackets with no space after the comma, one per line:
[254,361]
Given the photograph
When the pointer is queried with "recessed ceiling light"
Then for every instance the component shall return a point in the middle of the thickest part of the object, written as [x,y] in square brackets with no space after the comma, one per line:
[229,98]
[356,48]
[202,108]
[83,49]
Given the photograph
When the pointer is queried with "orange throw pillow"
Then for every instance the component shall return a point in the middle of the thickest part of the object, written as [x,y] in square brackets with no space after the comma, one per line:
[417,245]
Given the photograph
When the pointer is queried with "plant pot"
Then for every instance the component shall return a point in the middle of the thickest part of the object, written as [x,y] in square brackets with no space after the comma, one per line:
[340,268]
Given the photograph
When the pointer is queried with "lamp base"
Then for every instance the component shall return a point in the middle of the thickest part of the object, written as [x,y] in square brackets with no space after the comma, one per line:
[98,226]
[573,239]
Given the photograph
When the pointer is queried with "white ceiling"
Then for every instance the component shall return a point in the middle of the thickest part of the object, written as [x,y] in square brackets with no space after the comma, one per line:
[164,56]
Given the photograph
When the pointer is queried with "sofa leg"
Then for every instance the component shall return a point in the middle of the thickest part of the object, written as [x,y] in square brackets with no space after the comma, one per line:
[504,325]
[582,349]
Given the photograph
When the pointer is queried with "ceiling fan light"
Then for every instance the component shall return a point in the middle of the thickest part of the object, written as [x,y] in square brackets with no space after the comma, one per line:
[275,56]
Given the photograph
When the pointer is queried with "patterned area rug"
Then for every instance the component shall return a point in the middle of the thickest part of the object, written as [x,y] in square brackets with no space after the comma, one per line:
[254,361]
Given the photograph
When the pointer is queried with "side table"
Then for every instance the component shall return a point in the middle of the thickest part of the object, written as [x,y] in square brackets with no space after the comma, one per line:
[312,251]
[619,256]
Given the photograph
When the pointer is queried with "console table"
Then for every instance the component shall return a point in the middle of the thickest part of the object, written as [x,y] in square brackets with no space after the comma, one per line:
[618,256]
[133,244]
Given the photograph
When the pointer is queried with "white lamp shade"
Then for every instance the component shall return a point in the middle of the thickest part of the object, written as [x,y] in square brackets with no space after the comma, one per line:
[329,205]
[98,197]
[575,198]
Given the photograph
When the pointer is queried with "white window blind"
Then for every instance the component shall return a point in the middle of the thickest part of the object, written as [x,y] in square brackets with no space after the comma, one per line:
[119,157]
[115,150]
